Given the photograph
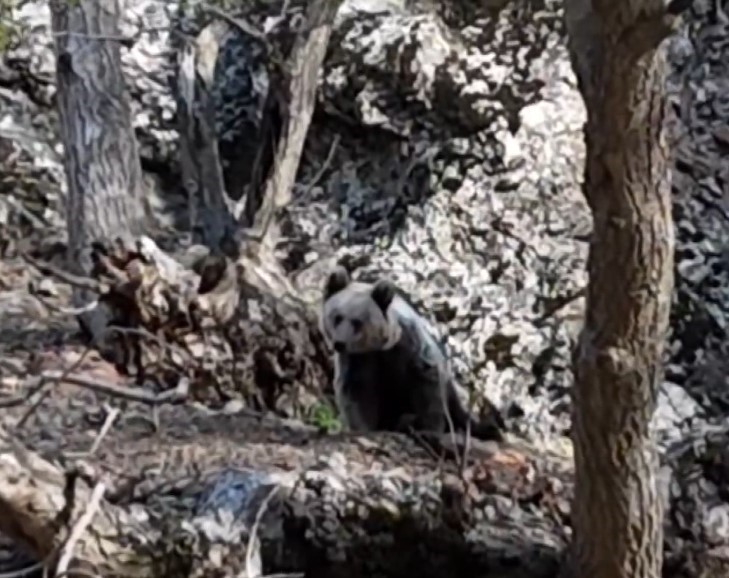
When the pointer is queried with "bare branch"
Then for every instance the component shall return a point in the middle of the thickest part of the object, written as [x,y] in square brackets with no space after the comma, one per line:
[239,23]
[79,528]
[324,167]
[176,395]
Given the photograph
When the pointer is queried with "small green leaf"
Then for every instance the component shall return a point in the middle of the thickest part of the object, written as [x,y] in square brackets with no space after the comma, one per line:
[324,417]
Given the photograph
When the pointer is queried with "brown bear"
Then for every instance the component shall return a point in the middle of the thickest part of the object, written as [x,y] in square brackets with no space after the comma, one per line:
[391,371]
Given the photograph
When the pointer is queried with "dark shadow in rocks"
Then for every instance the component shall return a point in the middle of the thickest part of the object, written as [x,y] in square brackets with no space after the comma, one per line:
[372,180]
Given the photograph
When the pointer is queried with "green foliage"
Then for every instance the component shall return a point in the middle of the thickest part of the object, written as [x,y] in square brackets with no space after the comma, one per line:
[324,417]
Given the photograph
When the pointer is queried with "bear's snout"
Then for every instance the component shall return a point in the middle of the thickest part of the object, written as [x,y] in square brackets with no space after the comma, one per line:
[340,346]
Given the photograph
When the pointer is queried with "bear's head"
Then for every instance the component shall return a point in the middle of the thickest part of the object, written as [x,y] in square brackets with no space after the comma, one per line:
[357,317]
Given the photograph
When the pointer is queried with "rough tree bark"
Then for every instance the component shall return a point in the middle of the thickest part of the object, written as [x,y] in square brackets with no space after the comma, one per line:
[210,210]
[617,52]
[101,158]
[293,95]
[338,511]
[305,62]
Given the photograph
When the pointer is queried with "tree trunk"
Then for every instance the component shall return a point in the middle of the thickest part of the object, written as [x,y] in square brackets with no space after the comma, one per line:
[101,158]
[102,164]
[304,64]
[617,515]
[210,212]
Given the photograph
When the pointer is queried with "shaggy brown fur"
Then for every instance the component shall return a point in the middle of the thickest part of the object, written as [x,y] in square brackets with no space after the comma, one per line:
[391,373]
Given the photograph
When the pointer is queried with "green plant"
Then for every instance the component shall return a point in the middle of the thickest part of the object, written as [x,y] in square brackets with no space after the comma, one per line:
[324,417]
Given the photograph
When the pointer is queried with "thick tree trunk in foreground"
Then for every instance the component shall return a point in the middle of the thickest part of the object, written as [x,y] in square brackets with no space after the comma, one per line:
[617,514]
[101,159]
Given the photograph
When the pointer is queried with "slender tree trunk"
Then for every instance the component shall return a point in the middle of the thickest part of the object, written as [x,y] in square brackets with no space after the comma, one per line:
[210,209]
[101,157]
[621,66]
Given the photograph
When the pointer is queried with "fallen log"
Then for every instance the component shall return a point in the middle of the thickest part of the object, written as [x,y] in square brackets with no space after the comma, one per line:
[208,327]
[182,499]
[39,503]
[326,505]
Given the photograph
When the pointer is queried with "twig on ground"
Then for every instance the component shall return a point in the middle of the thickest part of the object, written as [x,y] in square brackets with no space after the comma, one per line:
[44,393]
[111,416]
[43,382]
[12,401]
[141,332]
[425,442]
[74,311]
[177,395]
[253,535]
[79,528]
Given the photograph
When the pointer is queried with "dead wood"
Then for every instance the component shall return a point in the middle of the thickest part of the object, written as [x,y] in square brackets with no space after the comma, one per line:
[39,504]
[209,208]
[231,329]
[217,213]
[182,499]
[340,505]
[303,68]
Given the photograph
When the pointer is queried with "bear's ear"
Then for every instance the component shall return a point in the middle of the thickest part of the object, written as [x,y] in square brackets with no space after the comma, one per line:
[338,279]
[382,293]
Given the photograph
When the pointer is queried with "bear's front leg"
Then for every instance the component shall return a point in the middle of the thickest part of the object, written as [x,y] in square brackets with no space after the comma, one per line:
[355,396]
[358,415]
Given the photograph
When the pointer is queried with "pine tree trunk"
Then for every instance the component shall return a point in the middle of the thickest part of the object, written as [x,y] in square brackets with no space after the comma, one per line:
[620,62]
[101,157]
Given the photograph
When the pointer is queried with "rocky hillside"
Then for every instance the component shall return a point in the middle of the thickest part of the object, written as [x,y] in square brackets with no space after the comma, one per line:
[446,151]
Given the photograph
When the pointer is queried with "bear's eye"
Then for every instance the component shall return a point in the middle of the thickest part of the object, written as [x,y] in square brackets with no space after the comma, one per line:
[337,319]
[356,325]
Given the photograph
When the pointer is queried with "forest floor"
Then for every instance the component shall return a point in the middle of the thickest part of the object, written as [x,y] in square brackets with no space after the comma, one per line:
[62,400]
